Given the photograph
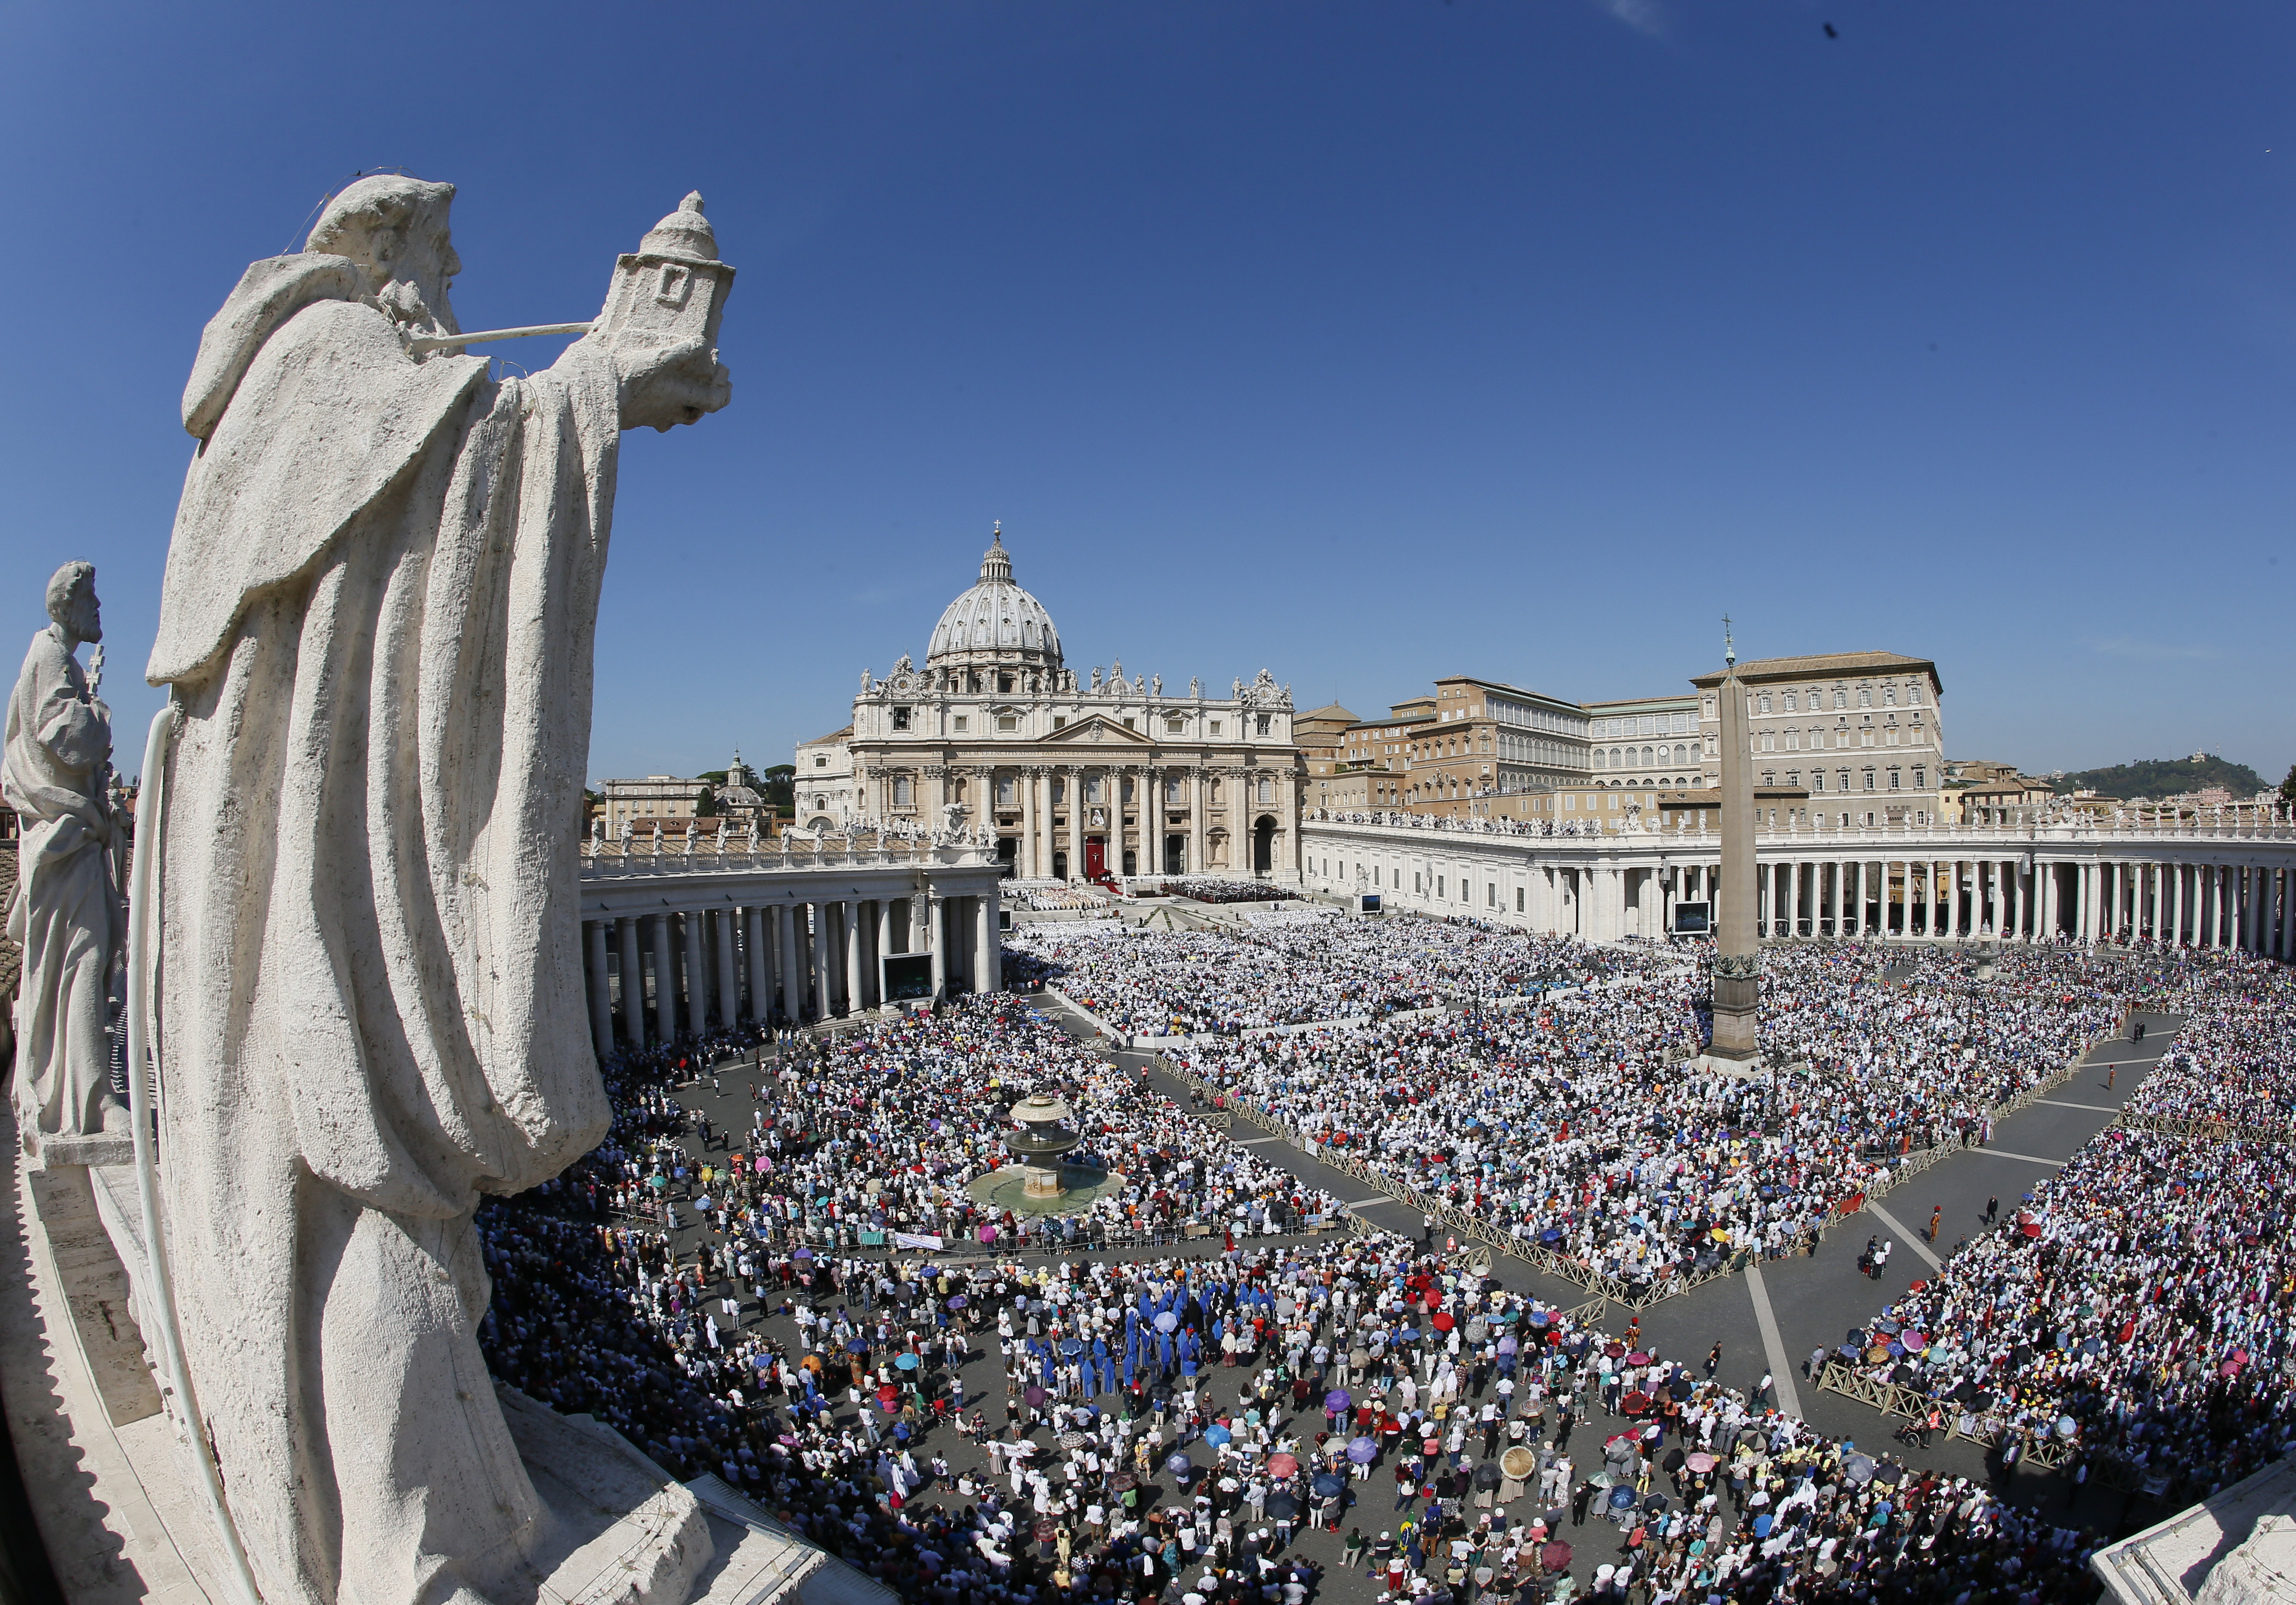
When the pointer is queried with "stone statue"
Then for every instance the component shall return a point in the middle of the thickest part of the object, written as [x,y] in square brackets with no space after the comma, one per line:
[901,666]
[377,623]
[1195,686]
[1156,682]
[66,917]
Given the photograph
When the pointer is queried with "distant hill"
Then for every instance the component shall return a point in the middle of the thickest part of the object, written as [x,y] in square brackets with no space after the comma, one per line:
[2164,777]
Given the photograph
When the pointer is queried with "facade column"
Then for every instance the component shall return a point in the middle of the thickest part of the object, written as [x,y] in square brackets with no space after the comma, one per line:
[856,974]
[1076,823]
[935,934]
[2176,903]
[729,978]
[1198,827]
[626,931]
[665,981]
[601,990]
[1143,815]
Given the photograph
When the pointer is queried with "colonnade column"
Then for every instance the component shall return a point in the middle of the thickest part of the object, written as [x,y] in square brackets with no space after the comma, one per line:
[1953,921]
[697,969]
[626,931]
[936,935]
[761,1001]
[602,993]
[665,981]
[729,978]
[821,946]
[857,979]
[984,945]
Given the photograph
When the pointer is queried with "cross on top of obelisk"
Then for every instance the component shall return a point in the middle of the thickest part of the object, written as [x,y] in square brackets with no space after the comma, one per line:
[1729,649]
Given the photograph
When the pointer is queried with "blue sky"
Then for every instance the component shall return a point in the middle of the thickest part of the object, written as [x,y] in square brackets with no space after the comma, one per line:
[1366,343]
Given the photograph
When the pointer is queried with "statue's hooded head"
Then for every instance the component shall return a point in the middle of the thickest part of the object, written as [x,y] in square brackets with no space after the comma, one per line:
[73,604]
[395,228]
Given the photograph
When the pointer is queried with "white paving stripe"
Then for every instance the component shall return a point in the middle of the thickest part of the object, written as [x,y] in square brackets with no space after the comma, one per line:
[1774,1346]
[1249,1142]
[1920,1248]
[1365,1203]
[2101,1108]
[2029,1159]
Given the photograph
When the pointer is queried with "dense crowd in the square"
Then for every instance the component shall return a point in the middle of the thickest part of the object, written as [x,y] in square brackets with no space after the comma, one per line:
[1202,889]
[1302,967]
[1586,1124]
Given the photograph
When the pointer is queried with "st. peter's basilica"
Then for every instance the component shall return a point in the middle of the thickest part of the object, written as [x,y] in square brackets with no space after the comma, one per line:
[1062,766]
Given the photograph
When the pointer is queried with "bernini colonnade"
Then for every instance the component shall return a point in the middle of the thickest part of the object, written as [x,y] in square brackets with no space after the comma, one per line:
[2203,884]
[684,941]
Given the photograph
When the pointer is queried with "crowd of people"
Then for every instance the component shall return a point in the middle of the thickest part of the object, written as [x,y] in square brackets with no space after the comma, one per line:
[1172,1429]
[2141,1305]
[2230,1061]
[1203,888]
[1469,825]
[1303,969]
[1587,1122]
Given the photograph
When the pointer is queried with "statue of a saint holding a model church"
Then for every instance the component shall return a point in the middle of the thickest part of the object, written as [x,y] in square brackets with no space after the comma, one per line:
[377,623]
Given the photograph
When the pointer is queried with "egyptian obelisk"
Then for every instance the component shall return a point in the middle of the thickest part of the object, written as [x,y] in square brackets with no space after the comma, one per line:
[1737,951]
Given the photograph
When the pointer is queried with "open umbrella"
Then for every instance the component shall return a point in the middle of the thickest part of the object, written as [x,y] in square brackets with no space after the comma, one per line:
[1168,1322]
[1635,1403]
[1638,1358]
[1178,1465]
[1858,1467]
[1554,1555]
[854,1345]
[1363,1451]
[1073,1440]
[1125,1482]
[1615,1350]
[1887,1473]
[1072,1346]
[1508,1345]
[802,1254]
[1654,1502]
[959,1302]
[1217,1436]
[1519,1462]
[1329,1485]
[1621,1498]
[1283,1505]
[1488,1477]
[904,1362]
[1283,1465]
[1034,1395]
[1674,1461]
[1338,1398]
[1443,1321]
[1700,1463]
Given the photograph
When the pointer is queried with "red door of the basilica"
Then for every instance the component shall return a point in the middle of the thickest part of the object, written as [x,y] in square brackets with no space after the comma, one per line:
[1095,858]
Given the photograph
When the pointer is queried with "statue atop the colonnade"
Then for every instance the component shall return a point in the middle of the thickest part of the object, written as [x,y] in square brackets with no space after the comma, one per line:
[66,918]
[377,625]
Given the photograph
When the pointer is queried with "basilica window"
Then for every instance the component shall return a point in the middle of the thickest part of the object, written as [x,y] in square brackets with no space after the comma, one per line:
[1007,791]
[1059,721]
[900,718]
[1175,789]
[1005,685]
[1175,727]
[963,722]
[903,791]
[1093,791]
[1008,722]
[1060,790]
[1259,724]
[1267,790]
[1216,726]
[1129,725]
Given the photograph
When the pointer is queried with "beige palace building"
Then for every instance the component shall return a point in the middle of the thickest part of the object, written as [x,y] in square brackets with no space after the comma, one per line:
[1079,777]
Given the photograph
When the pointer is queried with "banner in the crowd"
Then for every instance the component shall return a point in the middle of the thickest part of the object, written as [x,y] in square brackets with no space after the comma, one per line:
[915,1240]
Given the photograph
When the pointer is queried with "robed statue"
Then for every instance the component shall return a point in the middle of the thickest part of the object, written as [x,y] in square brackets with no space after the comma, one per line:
[377,624]
[66,917]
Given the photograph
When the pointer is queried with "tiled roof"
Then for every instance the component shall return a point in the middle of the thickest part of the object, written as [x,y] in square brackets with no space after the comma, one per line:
[1822,663]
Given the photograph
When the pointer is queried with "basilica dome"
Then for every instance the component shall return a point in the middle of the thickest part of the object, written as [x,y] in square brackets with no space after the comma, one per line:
[996,622]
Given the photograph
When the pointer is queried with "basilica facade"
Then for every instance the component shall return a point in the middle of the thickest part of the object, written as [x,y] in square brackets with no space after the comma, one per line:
[1079,777]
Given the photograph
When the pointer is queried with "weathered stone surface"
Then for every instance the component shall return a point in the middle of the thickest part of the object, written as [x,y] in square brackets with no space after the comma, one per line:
[377,623]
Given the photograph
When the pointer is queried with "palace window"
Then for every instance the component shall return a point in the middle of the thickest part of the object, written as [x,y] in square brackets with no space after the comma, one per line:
[1865,696]
[1920,778]
[1840,697]
[821,760]
[1890,696]
[1789,701]
[900,718]
[1893,780]
[1817,780]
